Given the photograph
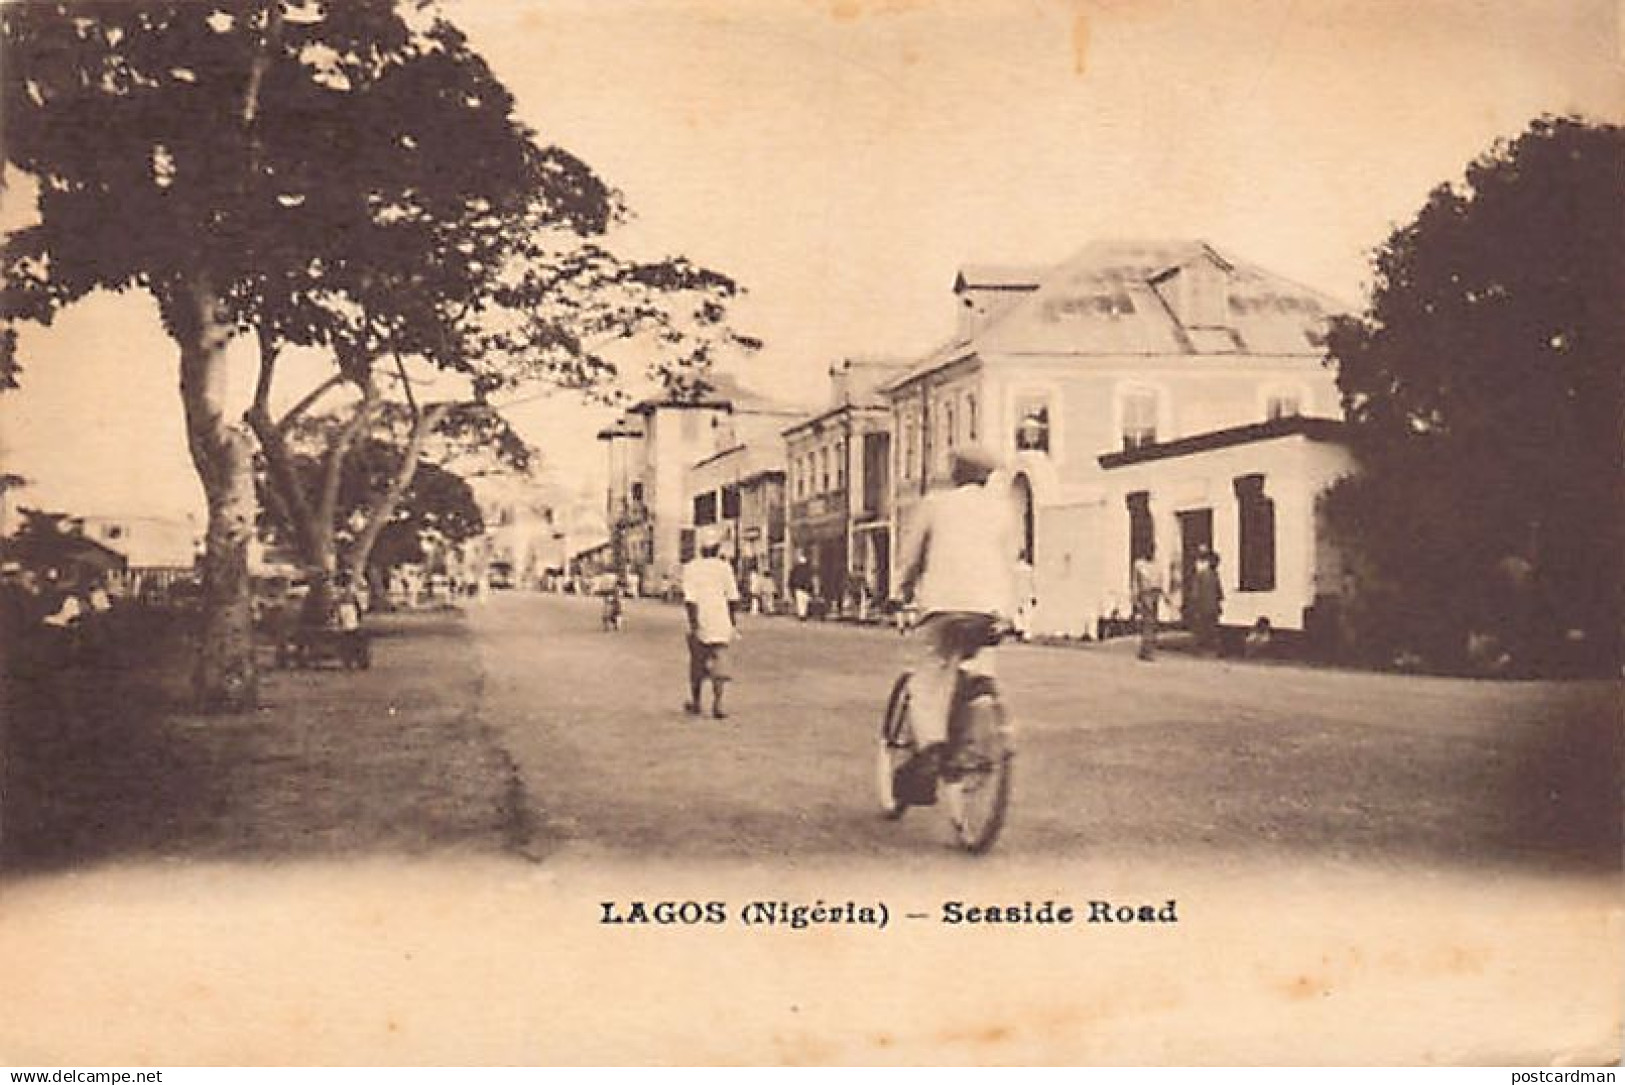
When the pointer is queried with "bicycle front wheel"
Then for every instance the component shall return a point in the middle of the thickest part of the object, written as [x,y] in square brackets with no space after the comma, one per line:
[977,780]
[895,747]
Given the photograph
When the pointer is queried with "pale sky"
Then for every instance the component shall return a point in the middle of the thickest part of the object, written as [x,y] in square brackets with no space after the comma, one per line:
[843,158]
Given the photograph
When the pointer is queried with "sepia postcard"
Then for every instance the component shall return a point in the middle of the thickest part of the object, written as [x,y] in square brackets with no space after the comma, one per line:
[812,532]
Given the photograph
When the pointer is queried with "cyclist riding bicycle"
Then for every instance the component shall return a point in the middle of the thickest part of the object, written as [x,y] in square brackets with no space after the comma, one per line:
[959,567]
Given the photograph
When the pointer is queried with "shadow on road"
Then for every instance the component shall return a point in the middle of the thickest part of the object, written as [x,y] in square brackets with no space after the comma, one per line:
[106,764]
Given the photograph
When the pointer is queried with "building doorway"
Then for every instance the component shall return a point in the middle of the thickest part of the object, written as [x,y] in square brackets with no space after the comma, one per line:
[1022,492]
[882,566]
[1195,534]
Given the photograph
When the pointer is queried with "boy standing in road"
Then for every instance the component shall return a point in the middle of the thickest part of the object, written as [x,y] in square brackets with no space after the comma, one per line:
[710,594]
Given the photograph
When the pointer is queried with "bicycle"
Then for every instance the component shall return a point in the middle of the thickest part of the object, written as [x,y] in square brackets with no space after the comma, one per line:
[975,765]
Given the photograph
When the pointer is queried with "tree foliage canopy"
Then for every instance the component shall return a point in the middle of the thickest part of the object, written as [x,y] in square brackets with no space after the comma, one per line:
[349,176]
[297,152]
[437,502]
[1485,387]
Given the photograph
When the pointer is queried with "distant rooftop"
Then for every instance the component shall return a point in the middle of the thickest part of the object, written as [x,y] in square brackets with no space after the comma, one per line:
[998,277]
[718,391]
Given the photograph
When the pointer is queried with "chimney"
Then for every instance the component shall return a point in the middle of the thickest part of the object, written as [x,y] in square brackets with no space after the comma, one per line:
[982,293]
[840,382]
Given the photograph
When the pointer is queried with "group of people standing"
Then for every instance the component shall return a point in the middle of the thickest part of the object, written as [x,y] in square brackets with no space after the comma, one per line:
[1202,599]
[47,620]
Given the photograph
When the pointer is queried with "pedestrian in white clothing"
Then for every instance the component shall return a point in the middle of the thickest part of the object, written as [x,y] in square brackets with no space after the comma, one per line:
[710,594]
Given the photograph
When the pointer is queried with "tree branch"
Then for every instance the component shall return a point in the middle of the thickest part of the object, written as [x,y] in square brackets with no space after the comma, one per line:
[309,401]
[383,505]
[339,448]
[286,490]
[262,386]
[406,386]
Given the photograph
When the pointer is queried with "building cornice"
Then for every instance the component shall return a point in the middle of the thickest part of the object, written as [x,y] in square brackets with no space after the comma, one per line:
[1313,429]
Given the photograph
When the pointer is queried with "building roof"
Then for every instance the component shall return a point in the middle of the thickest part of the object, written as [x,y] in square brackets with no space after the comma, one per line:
[1120,298]
[997,277]
[61,549]
[146,542]
[829,414]
[718,391]
[946,354]
[751,459]
[858,381]
[1314,429]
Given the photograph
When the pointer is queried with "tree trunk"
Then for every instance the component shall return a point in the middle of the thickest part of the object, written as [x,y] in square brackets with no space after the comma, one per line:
[311,515]
[383,505]
[225,678]
[312,535]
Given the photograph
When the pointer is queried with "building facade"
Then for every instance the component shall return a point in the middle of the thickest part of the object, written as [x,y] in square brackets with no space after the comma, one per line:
[840,488]
[1094,381]
[736,500]
[652,450]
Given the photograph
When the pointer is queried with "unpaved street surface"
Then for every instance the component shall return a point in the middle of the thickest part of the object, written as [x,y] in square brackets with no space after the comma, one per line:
[1365,869]
[1182,758]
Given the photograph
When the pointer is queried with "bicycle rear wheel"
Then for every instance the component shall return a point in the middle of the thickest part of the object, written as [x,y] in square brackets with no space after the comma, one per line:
[977,780]
[896,746]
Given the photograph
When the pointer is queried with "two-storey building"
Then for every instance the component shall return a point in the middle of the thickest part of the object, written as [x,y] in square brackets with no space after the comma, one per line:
[649,451]
[1147,395]
[839,485]
[652,450]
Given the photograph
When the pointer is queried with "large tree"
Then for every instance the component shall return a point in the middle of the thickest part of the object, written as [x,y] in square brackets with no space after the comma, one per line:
[516,305]
[437,503]
[348,176]
[1485,387]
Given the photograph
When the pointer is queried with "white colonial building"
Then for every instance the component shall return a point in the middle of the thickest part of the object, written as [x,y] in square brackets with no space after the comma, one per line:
[1145,394]
[651,452]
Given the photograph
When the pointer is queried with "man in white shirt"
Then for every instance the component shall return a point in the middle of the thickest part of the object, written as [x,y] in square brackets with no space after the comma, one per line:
[960,566]
[1145,581]
[710,594]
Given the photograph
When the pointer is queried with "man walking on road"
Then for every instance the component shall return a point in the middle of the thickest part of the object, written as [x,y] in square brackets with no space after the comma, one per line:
[801,585]
[710,594]
[1147,589]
